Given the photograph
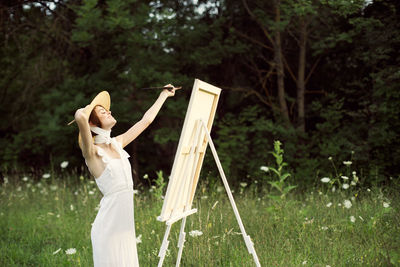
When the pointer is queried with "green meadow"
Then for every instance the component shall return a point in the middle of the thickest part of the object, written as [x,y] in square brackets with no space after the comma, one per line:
[48,222]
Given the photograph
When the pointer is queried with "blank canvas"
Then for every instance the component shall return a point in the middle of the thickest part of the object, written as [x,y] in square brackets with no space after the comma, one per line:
[181,188]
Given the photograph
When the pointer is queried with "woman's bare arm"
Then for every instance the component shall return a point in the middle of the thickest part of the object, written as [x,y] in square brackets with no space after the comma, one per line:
[146,120]
[84,129]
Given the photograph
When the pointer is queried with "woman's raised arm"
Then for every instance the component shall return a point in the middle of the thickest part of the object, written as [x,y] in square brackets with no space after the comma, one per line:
[147,118]
[84,130]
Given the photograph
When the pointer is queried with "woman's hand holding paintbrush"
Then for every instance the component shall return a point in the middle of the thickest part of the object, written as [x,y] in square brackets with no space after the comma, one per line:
[169,88]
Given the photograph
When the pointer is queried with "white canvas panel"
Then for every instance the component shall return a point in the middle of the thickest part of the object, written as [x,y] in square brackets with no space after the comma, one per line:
[186,168]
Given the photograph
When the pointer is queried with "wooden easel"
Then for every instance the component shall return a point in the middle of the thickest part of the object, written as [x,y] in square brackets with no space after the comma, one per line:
[199,146]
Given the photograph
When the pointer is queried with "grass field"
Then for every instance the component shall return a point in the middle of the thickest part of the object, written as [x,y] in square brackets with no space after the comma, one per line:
[40,221]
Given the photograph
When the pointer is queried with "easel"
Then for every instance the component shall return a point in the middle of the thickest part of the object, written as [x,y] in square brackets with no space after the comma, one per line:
[198,146]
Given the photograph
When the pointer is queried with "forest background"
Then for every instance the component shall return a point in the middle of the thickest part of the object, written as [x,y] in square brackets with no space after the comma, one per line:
[323,77]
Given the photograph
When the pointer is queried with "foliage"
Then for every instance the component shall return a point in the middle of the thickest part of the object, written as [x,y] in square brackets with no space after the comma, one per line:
[280,184]
[158,189]
[56,55]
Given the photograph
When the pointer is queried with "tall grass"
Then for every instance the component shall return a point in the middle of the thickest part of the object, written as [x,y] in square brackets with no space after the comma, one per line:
[40,220]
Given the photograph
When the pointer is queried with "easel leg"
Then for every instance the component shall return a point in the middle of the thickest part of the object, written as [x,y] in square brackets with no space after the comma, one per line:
[181,241]
[164,246]
[247,240]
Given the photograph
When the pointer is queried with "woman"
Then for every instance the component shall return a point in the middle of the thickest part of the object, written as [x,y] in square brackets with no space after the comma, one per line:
[113,231]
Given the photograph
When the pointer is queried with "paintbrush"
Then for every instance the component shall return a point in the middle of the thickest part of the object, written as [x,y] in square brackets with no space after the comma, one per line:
[161,87]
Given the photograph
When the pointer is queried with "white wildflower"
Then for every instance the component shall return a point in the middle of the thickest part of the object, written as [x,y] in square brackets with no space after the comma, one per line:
[347,163]
[139,239]
[345,186]
[325,179]
[91,192]
[344,177]
[333,189]
[46,175]
[64,164]
[243,184]
[352,219]
[347,204]
[353,183]
[195,233]
[354,172]
[70,251]
[71,207]
[264,168]
[324,228]
[330,158]
[329,204]
[368,190]
[386,205]
[135,192]
[25,179]
[145,176]
[304,262]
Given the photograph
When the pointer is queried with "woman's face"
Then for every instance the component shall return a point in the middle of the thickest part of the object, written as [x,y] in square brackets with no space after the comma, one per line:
[105,117]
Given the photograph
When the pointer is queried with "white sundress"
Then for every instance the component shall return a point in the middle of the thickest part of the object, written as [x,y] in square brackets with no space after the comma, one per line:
[113,231]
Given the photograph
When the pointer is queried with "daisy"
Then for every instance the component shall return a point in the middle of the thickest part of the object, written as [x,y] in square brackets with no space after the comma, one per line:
[195,233]
[264,168]
[347,204]
[139,239]
[64,164]
[70,251]
[325,180]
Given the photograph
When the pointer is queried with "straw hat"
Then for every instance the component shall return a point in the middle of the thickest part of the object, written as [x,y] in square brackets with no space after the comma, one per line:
[102,99]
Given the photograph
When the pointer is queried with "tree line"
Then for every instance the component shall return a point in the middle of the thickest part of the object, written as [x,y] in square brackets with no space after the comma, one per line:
[320,76]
